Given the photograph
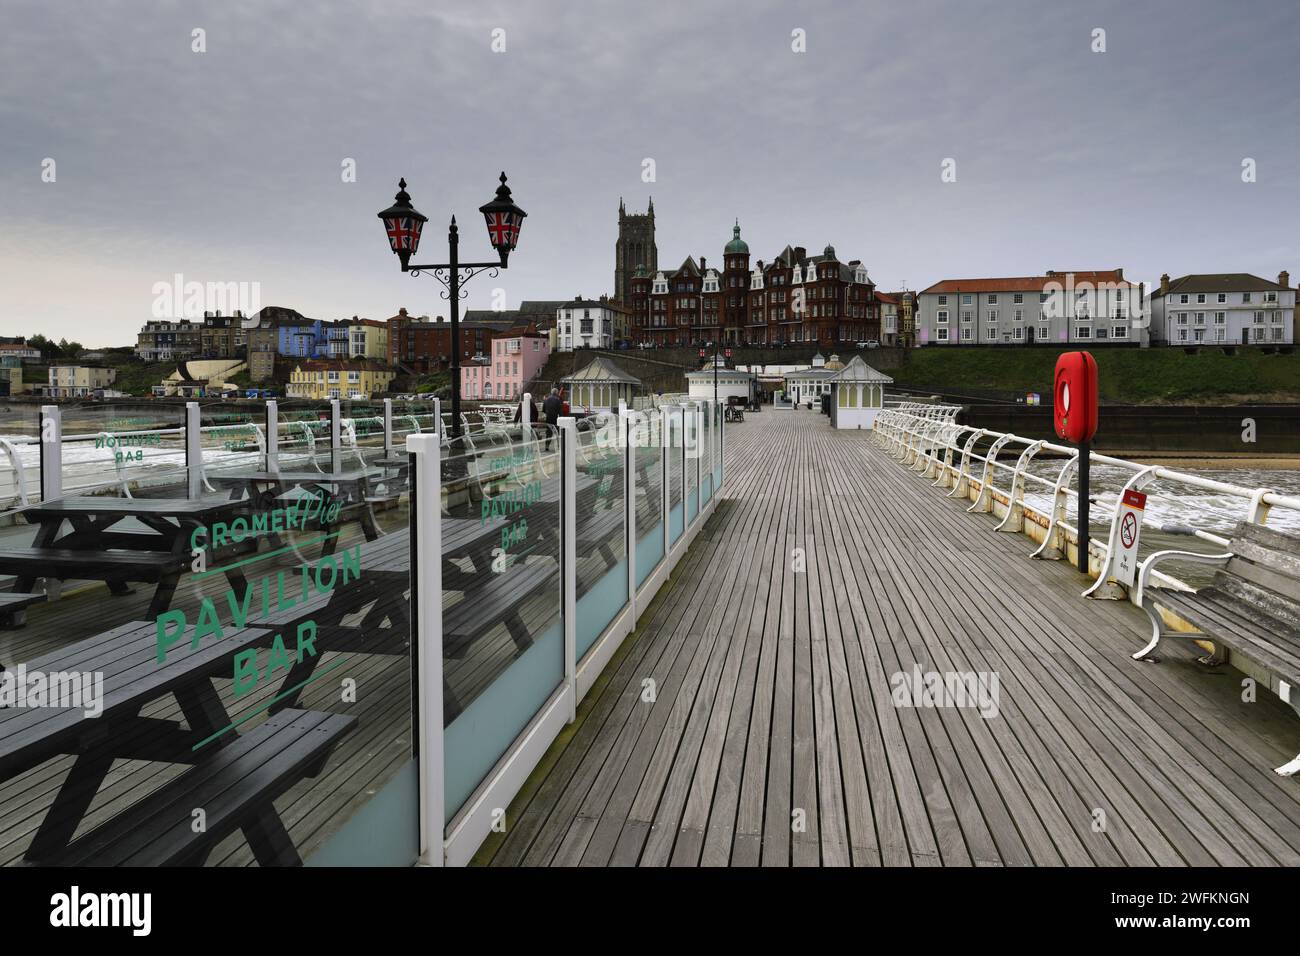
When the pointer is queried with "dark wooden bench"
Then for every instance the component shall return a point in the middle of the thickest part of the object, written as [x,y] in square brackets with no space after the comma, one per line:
[234,788]
[115,568]
[1251,610]
[13,607]
[500,599]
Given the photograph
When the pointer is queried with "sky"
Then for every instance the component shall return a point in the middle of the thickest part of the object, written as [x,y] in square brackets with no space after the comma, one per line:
[811,123]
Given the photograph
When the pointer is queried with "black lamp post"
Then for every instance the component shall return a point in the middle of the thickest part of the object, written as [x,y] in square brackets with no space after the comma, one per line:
[403,223]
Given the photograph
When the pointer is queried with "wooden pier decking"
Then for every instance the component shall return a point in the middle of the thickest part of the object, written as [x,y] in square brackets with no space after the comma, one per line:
[771,703]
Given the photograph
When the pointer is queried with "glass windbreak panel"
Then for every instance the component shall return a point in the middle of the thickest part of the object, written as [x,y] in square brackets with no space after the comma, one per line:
[233,438]
[648,477]
[411,418]
[601,525]
[304,438]
[502,633]
[242,653]
[127,449]
[676,505]
[363,427]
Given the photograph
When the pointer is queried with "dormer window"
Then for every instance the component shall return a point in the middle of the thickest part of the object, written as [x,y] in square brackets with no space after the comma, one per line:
[798,275]
[756,279]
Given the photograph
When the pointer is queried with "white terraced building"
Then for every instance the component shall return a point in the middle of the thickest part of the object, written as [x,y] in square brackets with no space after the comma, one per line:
[1057,308]
[1229,308]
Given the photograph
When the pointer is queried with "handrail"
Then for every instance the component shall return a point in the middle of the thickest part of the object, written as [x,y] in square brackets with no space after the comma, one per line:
[926,438]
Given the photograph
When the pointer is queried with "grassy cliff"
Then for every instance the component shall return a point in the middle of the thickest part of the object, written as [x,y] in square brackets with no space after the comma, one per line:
[1124,375]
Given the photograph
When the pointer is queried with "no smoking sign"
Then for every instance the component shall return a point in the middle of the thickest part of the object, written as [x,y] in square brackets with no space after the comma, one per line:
[1130,529]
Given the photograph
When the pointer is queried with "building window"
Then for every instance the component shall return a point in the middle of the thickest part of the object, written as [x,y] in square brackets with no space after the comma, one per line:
[1018,298]
[966,300]
[1044,331]
[943,300]
[1120,332]
[993,298]
[1082,332]
[942,317]
[965,334]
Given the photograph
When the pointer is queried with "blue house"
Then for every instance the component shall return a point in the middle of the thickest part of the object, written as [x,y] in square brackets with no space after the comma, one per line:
[302,338]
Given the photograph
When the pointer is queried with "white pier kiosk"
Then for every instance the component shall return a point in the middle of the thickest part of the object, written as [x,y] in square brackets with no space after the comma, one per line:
[857,395]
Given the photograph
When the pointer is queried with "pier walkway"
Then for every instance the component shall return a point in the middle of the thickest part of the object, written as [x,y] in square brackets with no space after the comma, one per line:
[749,720]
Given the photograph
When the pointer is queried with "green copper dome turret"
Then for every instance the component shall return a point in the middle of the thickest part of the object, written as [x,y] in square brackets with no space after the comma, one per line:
[737,246]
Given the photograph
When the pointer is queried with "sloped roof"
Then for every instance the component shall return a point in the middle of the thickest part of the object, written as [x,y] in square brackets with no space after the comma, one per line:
[601,369]
[859,371]
[1220,282]
[1028,283]
[817,374]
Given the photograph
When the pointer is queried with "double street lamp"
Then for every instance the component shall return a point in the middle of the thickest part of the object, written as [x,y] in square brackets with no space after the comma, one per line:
[403,224]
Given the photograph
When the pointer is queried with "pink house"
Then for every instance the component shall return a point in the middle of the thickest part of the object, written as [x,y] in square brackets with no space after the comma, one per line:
[516,358]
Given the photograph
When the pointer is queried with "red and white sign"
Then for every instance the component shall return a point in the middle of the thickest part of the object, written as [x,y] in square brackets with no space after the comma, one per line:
[1130,529]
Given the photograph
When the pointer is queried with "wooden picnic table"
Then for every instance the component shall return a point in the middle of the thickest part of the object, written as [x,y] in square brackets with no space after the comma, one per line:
[126,657]
[350,487]
[97,548]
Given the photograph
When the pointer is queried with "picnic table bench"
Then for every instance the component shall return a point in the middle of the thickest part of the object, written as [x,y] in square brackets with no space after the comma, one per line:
[126,656]
[13,607]
[98,548]
[235,789]
[1250,610]
[266,489]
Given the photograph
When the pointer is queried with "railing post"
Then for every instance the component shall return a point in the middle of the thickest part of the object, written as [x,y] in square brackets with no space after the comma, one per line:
[388,428]
[193,449]
[722,450]
[1055,545]
[336,438]
[272,435]
[51,453]
[569,554]
[426,638]
[437,418]
[984,503]
[664,428]
[1014,519]
[628,448]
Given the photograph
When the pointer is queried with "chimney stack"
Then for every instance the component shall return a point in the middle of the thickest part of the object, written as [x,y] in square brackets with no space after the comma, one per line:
[1164,284]
[1284,278]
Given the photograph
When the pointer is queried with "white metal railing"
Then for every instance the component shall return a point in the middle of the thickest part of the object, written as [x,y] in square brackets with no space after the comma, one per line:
[997,479]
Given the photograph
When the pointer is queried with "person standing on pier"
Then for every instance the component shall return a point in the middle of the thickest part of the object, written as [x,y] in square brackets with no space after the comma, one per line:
[551,408]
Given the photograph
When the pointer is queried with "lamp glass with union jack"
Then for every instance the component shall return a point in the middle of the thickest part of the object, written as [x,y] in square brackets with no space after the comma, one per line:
[504,220]
[403,224]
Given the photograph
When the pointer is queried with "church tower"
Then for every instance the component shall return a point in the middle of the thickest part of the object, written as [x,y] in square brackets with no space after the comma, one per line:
[635,247]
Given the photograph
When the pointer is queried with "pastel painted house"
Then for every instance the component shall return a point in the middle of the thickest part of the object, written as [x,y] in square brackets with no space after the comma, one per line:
[515,360]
